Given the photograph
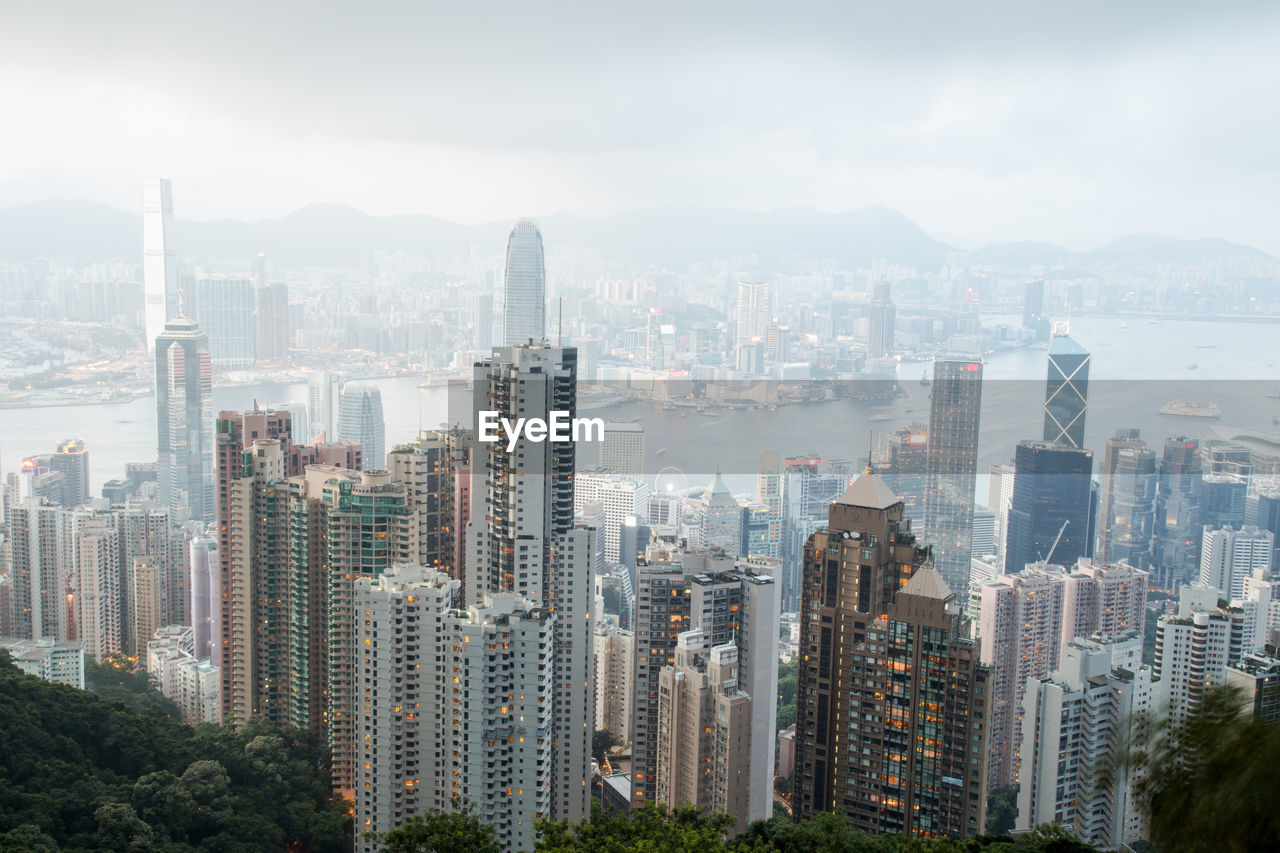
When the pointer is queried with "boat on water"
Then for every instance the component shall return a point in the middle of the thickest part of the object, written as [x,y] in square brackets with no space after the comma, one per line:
[1190,409]
[924,379]
[883,416]
[1192,366]
[1274,395]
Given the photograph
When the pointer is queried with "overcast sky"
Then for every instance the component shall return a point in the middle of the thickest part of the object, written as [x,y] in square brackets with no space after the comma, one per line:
[982,121]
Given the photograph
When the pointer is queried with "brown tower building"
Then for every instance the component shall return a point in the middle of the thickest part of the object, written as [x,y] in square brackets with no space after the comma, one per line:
[889,693]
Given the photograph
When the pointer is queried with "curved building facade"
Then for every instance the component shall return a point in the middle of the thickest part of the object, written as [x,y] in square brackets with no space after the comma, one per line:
[524,316]
[360,419]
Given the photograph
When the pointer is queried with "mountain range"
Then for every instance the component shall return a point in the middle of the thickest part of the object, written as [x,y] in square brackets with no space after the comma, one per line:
[338,235]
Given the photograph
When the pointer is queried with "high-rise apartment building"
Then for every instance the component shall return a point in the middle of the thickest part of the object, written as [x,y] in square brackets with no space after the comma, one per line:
[1193,649]
[182,677]
[360,419]
[72,459]
[36,569]
[615,651]
[160,284]
[704,730]
[751,318]
[205,607]
[271,322]
[622,450]
[1066,393]
[1000,485]
[1103,599]
[730,603]
[430,468]
[184,420]
[522,539]
[952,465]
[720,518]
[95,573]
[524,313]
[1229,556]
[225,307]
[1077,723]
[809,485]
[453,706]
[1050,510]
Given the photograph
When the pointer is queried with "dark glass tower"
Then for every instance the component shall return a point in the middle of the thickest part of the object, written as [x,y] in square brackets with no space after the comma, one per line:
[1066,393]
[1051,488]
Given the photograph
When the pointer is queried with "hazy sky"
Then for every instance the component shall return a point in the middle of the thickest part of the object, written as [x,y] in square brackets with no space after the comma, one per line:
[982,121]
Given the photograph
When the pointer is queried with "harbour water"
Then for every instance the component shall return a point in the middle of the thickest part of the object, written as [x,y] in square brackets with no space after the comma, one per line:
[1138,366]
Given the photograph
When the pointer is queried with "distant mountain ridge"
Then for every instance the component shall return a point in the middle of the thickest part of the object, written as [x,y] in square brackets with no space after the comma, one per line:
[340,235]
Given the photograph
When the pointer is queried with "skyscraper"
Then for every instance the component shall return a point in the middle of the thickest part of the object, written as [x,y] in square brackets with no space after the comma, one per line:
[524,313]
[1066,393]
[1228,556]
[360,419]
[906,467]
[482,321]
[72,459]
[1051,488]
[623,449]
[225,307]
[809,485]
[891,728]
[952,465]
[522,539]
[39,584]
[430,468]
[322,405]
[1033,304]
[751,319]
[184,420]
[880,320]
[1126,511]
[1175,547]
[159,261]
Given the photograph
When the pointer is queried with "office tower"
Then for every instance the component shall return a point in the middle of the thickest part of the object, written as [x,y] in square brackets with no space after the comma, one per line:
[952,465]
[906,467]
[615,650]
[524,312]
[1263,510]
[1225,484]
[1051,489]
[59,661]
[1106,599]
[1019,629]
[72,459]
[704,721]
[225,307]
[752,311]
[720,517]
[1175,547]
[1228,556]
[454,706]
[1078,723]
[809,485]
[184,420]
[983,539]
[206,636]
[522,538]
[1066,393]
[769,495]
[1193,649]
[271,321]
[880,317]
[1033,304]
[1000,486]
[728,602]
[1126,511]
[884,645]
[482,321]
[39,583]
[360,419]
[622,450]
[322,405]
[95,571]
[620,497]
[159,260]
[429,467]
[188,681]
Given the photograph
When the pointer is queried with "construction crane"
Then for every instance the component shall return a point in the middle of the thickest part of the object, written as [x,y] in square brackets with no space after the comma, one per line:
[1044,561]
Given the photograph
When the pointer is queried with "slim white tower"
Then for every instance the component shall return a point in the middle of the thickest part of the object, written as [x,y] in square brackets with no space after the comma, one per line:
[159,262]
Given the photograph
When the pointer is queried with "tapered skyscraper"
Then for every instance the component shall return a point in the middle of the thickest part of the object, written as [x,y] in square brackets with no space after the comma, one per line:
[1066,392]
[360,419]
[524,317]
[184,420]
[159,261]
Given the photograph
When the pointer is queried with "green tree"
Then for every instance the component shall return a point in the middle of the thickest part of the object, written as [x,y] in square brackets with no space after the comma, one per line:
[601,741]
[441,832]
[653,830]
[27,838]
[787,693]
[120,828]
[1002,811]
